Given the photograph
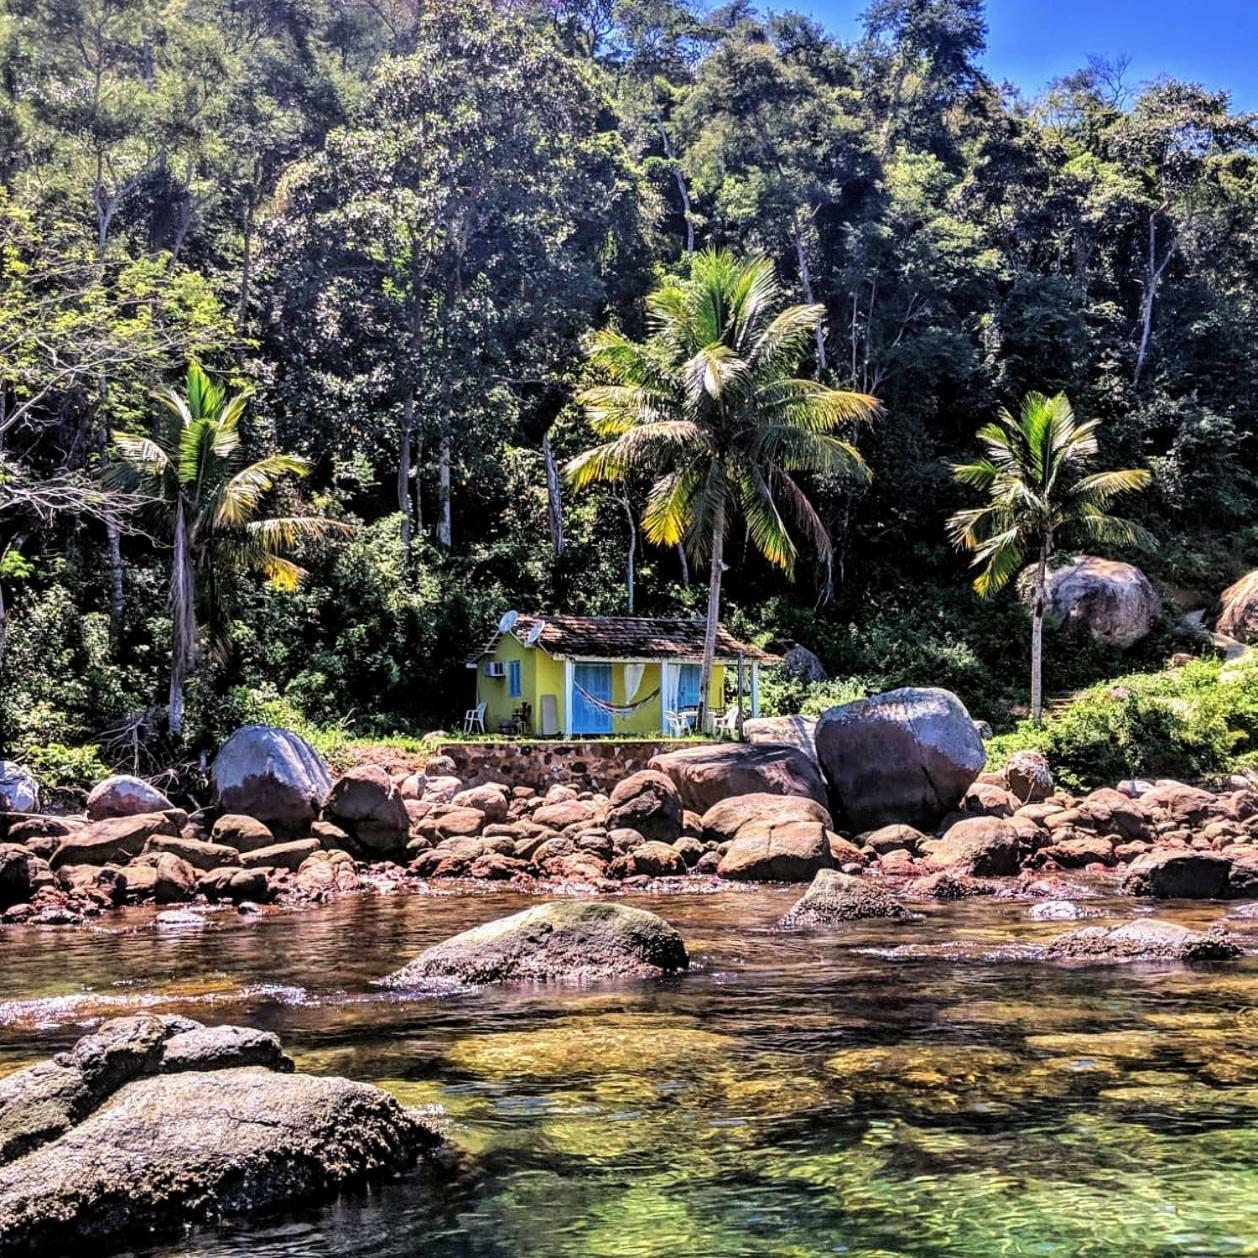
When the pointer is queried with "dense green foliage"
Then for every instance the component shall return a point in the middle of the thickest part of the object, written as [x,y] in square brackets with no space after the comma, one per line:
[397,224]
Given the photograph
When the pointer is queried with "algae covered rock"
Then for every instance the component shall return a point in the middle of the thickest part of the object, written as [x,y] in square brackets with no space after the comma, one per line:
[838,897]
[562,941]
[1148,940]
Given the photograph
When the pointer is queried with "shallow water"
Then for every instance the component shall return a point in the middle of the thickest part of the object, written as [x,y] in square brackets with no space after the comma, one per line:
[794,1095]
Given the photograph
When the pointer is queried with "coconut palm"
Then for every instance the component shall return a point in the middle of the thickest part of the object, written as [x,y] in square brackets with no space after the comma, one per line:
[1038,485]
[710,408]
[191,473]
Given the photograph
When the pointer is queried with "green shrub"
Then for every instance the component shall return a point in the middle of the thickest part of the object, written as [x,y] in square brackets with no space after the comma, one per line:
[59,768]
[1192,722]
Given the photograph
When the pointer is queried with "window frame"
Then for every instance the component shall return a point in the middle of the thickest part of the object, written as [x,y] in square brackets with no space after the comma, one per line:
[515,679]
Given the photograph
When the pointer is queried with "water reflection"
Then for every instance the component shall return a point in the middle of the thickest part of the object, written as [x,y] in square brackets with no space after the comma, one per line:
[809,1094]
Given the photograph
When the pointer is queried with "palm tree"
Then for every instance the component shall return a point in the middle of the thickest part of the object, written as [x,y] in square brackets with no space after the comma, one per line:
[710,407]
[1038,486]
[191,473]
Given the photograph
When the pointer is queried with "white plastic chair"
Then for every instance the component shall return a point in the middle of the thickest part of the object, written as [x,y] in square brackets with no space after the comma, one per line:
[727,724]
[678,724]
[474,719]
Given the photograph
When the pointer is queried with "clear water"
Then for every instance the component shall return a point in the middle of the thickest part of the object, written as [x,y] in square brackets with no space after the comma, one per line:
[794,1095]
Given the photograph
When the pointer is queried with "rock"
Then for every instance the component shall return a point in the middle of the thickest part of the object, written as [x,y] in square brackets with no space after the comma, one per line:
[1029,777]
[801,663]
[157,1124]
[557,814]
[906,756]
[440,790]
[1148,940]
[1108,601]
[770,838]
[323,875]
[658,860]
[490,799]
[100,882]
[199,855]
[235,884]
[844,851]
[706,775]
[19,792]
[1057,911]
[1238,609]
[836,897]
[413,785]
[648,802]
[271,775]
[1086,849]
[690,849]
[31,829]
[984,799]
[1187,805]
[21,874]
[947,885]
[138,882]
[112,841]
[981,846]
[440,766]
[365,802]
[894,838]
[563,941]
[289,856]
[789,731]
[245,834]
[447,821]
[124,796]
[1177,873]
[175,879]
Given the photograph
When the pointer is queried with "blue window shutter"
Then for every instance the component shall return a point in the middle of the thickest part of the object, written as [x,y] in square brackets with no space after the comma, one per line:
[514,684]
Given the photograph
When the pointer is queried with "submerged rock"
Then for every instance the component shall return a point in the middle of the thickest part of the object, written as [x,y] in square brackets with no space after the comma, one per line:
[905,756]
[837,897]
[563,941]
[1149,940]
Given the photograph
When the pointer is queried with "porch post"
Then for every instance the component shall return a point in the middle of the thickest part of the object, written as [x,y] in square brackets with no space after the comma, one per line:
[569,677]
[664,693]
[755,689]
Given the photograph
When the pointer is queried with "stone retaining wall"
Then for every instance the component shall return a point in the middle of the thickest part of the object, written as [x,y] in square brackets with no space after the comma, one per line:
[596,765]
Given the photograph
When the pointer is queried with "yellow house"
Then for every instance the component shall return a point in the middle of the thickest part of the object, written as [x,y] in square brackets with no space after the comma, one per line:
[632,676]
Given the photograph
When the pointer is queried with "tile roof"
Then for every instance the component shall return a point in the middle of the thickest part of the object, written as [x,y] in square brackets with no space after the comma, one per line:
[629,637]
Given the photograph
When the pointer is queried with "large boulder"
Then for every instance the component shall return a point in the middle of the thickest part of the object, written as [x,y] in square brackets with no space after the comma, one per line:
[366,802]
[799,732]
[649,803]
[801,663]
[1148,940]
[770,838]
[272,775]
[153,1123]
[1029,777]
[906,756]
[1107,601]
[706,775]
[981,846]
[1238,611]
[22,873]
[124,796]
[1178,873]
[564,941]
[19,792]
[838,897]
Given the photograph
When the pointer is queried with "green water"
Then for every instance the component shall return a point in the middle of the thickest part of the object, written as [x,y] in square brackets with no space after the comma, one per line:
[794,1095]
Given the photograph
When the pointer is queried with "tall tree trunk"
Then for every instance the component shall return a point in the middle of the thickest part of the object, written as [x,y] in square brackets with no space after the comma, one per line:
[4,628]
[631,556]
[246,267]
[714,612]
[683,189]
[805,282]
[1154,269]
[183,621]
[404,471]
[1037,638]
[553,497]
[685,566]
[444,532]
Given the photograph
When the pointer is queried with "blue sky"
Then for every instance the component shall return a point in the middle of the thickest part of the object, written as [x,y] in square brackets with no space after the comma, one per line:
[1031,41]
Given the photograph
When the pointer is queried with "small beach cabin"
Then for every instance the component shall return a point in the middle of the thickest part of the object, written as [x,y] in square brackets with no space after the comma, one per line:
[632,676]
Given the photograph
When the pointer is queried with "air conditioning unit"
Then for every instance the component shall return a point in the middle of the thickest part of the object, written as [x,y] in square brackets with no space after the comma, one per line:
[495,668]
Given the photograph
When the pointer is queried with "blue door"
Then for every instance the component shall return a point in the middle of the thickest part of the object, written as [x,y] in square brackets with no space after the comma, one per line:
[596,681]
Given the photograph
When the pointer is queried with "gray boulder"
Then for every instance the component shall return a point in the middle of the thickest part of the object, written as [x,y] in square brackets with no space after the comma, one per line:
[19,792]
[1238,612]
[706,775]
[1178,873]
[649,803]
[366,803]
[1107,601]
[124,796]
[800,662]
[907,756]
[570,941]
[838,897]
[153,1123]
[799,732]
[271,775]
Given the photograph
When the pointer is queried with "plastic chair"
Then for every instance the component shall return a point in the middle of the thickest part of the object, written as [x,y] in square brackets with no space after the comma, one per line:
[474,719]
[678,724]
[727,724]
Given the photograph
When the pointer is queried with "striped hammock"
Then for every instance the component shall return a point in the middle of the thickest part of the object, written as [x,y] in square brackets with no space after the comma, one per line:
[622,711]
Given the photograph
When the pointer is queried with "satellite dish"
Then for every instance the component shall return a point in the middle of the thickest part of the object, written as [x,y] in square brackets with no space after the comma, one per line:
[507,623]
[533,634]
